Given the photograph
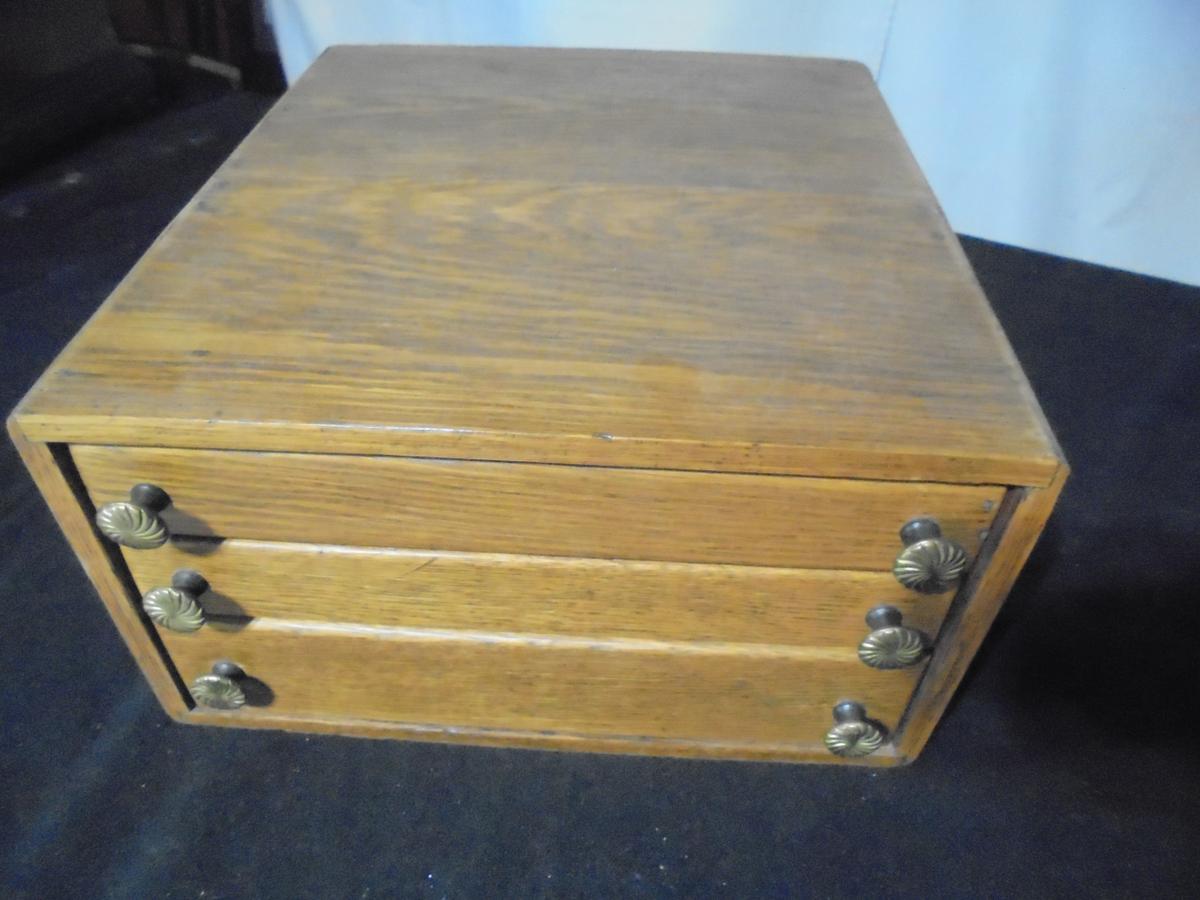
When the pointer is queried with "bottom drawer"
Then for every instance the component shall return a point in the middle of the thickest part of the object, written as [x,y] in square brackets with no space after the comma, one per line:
[632,689]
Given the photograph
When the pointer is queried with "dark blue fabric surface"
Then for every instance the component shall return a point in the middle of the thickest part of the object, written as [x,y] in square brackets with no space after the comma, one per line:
[1065,767]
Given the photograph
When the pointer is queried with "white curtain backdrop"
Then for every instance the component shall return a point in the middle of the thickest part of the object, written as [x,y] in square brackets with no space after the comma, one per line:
[1069,126]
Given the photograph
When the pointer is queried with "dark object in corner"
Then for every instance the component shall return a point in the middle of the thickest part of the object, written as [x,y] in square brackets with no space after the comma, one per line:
[45,113]
[63,75]
[72,68]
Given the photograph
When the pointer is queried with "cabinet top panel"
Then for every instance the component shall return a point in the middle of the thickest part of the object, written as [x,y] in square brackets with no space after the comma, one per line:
[674,260]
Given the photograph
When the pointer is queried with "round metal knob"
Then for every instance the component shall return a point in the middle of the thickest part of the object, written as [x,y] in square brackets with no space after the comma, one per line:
[220,689]
[890,645]
[853,734]
[929,563]
[136,523]
[177,607]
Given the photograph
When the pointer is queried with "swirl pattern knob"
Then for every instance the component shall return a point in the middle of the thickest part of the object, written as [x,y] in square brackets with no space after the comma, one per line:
[853,734]
[136,523]
[890,645]
[220,688]
[929,563]
[177,607]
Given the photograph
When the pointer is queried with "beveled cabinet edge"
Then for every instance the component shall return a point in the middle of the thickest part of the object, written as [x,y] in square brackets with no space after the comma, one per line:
[606,450]
[1016,530]
[70,507]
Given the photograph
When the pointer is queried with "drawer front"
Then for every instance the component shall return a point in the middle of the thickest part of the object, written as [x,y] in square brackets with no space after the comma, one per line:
[540,595]
[613,688]
[537,509]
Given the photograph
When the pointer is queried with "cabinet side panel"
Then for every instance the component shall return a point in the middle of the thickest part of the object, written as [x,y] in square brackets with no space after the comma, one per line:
[999,564]
[102,565]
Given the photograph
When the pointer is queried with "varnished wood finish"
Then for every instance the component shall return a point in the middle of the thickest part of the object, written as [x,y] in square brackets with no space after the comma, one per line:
[461,323]
[98,563]
[537,740]
[976,609]
[629,689]
[538,595]
[540,509]
[657,260]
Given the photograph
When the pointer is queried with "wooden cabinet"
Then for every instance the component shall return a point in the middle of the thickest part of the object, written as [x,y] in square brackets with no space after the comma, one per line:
[569,399]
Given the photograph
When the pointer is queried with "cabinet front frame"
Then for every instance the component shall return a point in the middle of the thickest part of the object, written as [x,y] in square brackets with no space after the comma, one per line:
[1022,516]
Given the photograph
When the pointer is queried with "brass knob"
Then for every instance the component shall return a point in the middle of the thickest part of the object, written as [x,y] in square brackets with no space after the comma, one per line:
[853,734]
[136,522]
[177,607]
[929,563]
[890,645]
[220,689]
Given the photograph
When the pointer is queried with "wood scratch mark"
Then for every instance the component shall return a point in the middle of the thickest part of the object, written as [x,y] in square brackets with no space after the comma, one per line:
[425,565]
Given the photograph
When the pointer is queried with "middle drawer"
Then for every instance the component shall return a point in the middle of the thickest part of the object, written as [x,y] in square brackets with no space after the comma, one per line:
[538,595]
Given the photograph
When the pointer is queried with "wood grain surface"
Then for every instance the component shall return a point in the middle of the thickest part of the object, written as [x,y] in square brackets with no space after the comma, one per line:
[100,562]
[682,261]
[536,509]
[578,686]
[1018,528]
[790,751]
[554,398]
[538,595]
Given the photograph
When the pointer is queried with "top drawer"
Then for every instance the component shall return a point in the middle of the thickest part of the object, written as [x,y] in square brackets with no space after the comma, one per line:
[551,510]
